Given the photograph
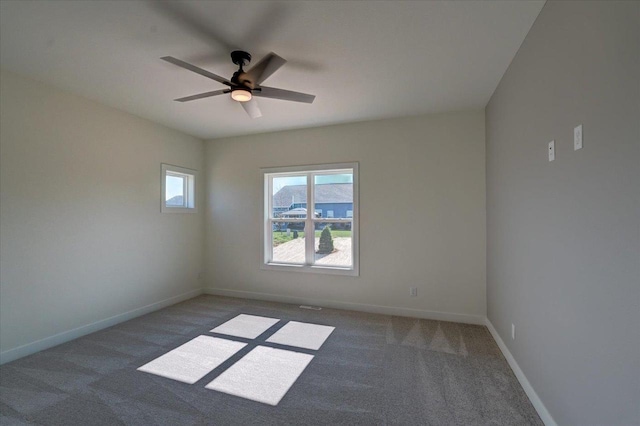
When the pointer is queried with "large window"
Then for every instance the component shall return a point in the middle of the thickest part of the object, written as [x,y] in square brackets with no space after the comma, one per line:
[178,189]
[311,218]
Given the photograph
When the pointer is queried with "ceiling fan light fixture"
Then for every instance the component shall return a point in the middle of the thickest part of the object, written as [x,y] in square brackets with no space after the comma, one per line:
[241,95]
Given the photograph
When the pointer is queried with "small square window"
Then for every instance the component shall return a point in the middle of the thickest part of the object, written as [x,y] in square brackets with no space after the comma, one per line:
[178,189]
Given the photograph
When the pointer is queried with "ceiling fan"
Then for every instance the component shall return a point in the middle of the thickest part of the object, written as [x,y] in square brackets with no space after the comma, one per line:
[244,85]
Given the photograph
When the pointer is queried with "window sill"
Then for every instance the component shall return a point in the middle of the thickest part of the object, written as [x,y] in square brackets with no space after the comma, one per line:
[328,270]
[178,210]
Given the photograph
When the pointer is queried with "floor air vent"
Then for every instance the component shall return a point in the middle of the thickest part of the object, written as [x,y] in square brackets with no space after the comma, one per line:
[313,308]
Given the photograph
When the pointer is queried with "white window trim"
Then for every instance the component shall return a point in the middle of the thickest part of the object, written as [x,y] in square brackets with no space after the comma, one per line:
[189,192]
[310,249]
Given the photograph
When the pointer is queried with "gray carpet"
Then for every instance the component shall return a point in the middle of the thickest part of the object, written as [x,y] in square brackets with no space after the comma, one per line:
[372,370]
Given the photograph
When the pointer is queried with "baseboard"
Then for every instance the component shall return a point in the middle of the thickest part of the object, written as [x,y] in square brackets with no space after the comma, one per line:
[544,414]
[65,336]
[374,309]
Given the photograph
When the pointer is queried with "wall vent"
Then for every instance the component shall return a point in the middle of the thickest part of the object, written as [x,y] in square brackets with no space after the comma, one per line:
[313,308]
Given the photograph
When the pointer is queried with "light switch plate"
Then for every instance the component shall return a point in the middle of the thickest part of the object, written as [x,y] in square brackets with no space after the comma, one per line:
[577,138]
[552,150]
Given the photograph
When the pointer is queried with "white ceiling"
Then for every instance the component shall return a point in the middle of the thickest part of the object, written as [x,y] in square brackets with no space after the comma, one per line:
[363,60]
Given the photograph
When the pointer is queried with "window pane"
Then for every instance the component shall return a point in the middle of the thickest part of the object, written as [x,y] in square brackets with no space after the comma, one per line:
[333,194]
[178,189]
[334,247]
[288,243]
[289,197]
[174,191]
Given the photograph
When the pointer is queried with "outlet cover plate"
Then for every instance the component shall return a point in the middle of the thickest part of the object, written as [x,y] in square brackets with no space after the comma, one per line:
[577,138]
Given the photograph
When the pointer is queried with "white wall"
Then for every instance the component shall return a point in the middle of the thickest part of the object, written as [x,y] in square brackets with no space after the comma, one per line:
[564,237]
[422,215]
[82,237]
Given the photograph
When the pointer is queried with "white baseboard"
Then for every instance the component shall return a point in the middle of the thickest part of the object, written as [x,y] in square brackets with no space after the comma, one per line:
[375,309]
[65,336]
[544,414]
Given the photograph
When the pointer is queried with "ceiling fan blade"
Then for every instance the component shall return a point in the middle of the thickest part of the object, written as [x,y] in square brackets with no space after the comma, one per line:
[263,69]
[193,22]
[203,95]
[286,95]
[197,70]
[252,108]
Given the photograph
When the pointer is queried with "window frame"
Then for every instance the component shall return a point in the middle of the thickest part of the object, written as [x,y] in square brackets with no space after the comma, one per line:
[190,204]
[267,223]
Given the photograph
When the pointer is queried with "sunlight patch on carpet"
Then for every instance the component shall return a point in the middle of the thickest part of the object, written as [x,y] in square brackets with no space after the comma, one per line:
[263,375]
[193,360]
[247,326]
[302,335]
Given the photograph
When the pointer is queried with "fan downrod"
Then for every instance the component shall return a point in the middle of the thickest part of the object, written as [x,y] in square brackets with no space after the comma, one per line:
[240,58]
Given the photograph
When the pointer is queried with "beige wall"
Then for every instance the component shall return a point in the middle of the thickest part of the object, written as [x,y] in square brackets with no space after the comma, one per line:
[564,237]
[82,236]
[422,215]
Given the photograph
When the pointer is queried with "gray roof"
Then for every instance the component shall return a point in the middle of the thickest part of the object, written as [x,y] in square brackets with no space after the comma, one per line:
[325,193]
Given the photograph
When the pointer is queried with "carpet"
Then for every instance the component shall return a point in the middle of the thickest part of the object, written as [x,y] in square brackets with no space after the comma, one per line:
[371,370]
[263,375]
[192,361]
[247,326]
[302,335]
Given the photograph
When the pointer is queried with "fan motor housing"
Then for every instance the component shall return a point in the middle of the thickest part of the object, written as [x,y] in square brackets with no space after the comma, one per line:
[240,78]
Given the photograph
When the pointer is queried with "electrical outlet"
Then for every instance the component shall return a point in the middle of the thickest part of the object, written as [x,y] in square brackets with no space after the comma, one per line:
[552,150]
[413,291]
[577,138]
[513,332]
